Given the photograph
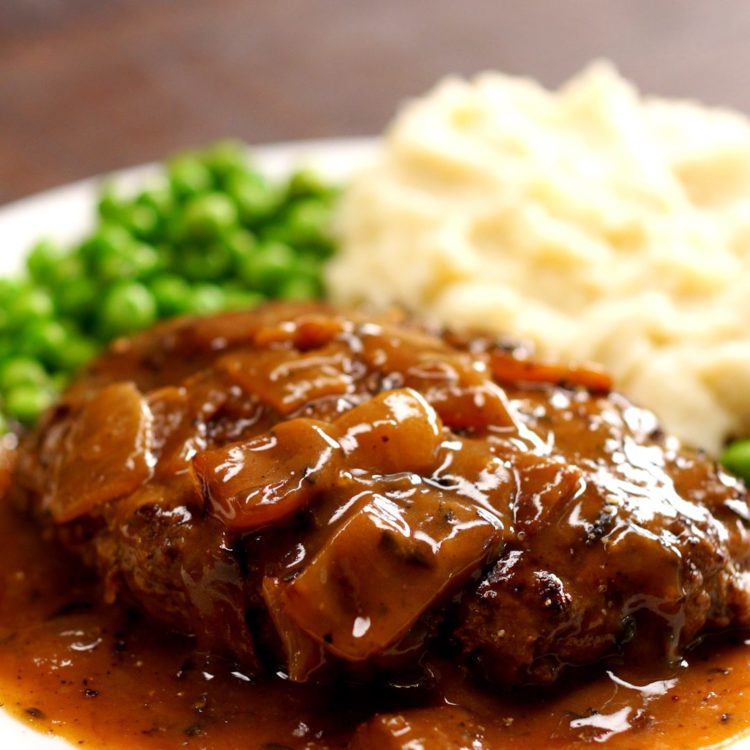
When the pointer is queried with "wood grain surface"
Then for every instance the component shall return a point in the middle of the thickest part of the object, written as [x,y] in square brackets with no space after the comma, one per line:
[91,85]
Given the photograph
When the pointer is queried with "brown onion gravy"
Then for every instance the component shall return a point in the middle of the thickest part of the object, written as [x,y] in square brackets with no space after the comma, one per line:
[103,677]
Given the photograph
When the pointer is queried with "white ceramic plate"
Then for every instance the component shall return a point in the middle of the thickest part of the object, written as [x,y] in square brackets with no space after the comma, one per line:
[65,213]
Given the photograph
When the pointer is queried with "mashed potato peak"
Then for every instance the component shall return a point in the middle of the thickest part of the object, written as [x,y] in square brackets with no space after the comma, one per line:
[597,223]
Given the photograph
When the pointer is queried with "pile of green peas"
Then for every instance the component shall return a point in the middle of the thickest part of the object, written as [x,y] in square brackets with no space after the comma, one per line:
[736,458]
[213,235]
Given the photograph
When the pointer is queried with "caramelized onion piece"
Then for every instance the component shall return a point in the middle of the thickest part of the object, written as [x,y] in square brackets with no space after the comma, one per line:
[311,331]
[180,420]
[385,566]
[106,454]
[302,654]
[395,432]
[546,485]
[474,407]
[177,434]
[287,380]
[510,370]
[269,478]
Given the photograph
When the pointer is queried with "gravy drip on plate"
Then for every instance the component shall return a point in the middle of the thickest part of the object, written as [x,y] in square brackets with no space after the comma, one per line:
[103,677]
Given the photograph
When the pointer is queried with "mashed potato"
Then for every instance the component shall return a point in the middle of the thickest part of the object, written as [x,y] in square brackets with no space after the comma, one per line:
[597,223]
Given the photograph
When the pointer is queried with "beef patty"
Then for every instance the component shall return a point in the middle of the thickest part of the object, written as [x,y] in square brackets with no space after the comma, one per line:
[316,491]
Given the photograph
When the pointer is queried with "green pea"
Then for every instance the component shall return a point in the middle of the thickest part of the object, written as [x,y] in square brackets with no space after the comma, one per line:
[68,268]
[142,221]
[161,203]
[205,263]
[108,239]
[226,158]
[275,231]
[43,339]
[158,198]
[308,222]
[242,299]
[134,260]
[299,289]
[306,183]
[8,346]
[172,294]
[43,259]
[110,205]
[736,458]
[188,176]
[21,371]
[10,289]
[239,180]
[240,243]
[75,354]
[266,269]
[32,303]
[128,306]
[26,402]
[206,299]
[208,216]
[77,297]
[256,201]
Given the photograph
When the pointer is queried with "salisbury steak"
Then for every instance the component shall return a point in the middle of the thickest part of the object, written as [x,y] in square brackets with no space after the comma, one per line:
[308,490]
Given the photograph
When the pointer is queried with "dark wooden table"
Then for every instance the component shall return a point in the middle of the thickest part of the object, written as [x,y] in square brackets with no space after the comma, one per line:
[91,85]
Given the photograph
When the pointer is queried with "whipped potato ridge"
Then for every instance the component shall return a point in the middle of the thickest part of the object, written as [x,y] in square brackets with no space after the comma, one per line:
[599,224]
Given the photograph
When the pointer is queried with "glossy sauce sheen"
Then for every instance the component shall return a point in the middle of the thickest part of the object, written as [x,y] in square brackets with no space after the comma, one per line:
[106,678]
[402,525]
